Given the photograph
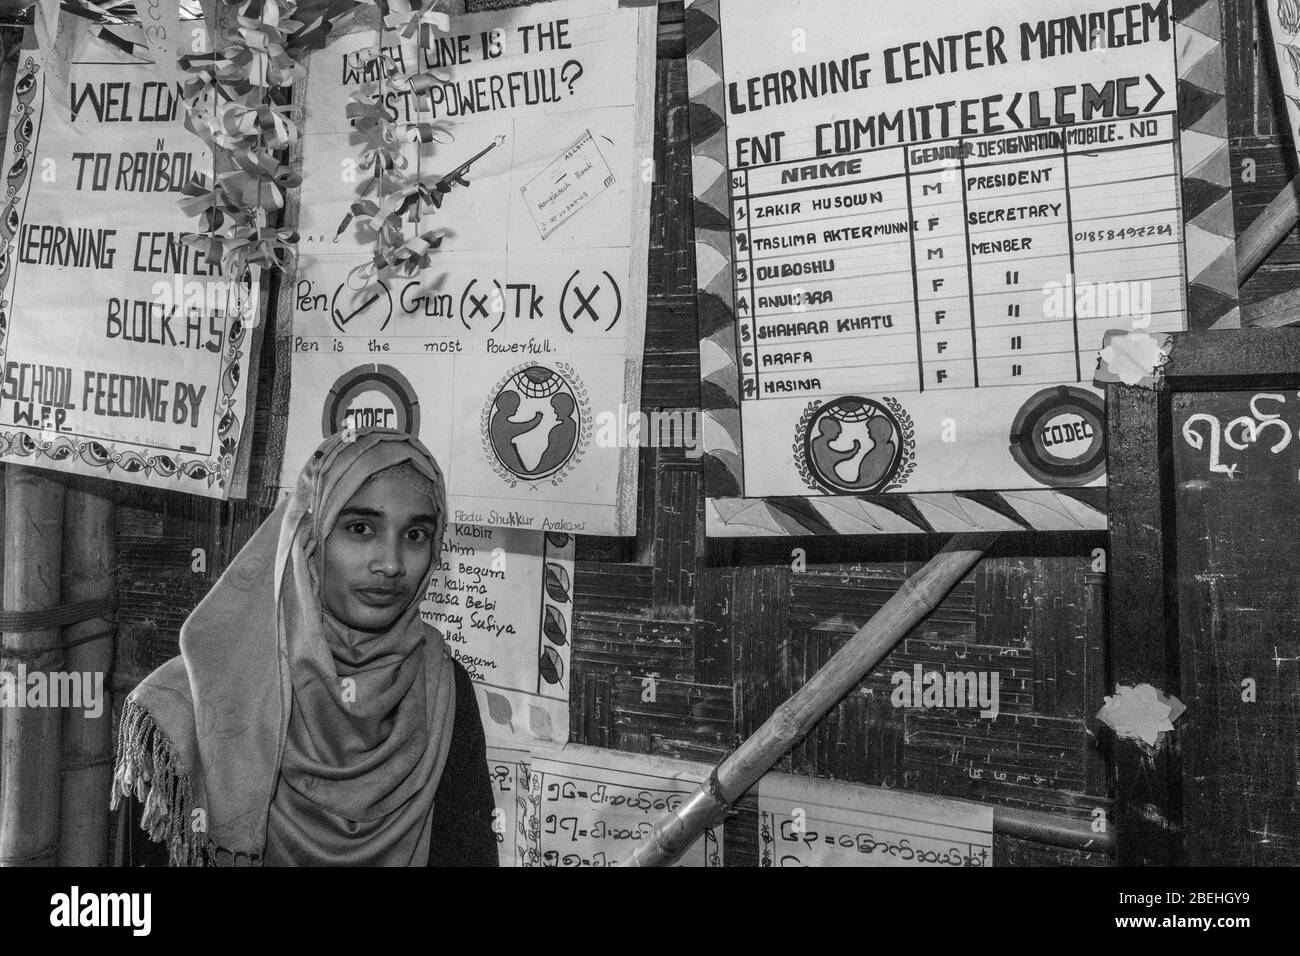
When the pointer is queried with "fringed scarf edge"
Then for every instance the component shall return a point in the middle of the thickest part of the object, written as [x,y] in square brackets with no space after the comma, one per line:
[149,769]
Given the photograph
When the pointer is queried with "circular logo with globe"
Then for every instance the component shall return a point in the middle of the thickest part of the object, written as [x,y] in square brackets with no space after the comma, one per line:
[536,424]
[854,446]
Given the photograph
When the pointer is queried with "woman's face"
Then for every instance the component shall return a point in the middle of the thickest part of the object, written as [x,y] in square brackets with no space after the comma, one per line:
[378,553]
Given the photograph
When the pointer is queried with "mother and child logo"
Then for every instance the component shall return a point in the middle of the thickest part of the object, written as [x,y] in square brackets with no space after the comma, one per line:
[535,424]
[854,445]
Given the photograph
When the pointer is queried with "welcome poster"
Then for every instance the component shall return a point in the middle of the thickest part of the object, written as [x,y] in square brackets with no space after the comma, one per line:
[125,353]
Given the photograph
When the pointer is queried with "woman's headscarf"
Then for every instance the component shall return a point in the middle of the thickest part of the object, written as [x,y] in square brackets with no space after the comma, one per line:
[280,735]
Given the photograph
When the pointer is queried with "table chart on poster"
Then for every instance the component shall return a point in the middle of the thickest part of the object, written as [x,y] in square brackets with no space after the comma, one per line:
[967,262]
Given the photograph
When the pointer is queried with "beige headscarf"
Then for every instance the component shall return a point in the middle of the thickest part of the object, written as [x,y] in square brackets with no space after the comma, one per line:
[246,749]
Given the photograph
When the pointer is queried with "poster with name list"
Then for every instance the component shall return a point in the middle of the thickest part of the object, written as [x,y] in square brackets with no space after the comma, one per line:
[916,241]
[125,351]
[525,332]
[503,601]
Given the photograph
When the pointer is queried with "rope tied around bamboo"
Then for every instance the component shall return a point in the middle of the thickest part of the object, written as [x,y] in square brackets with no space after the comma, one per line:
[64,615]
[50,655]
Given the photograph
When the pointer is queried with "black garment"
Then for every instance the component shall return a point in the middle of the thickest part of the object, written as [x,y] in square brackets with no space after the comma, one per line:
[463,806]
[462,832]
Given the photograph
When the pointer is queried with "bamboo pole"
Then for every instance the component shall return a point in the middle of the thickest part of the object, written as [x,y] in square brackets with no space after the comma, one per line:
[1254,244]
[913,602]
[8,77]
[3,470]
[1269,228]
[1274,312]
[1051,828]
[88,651]
[30,796]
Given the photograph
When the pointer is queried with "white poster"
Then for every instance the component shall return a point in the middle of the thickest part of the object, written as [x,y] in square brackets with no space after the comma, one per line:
[1284,29]
[804,821]
[526,333]
[503,601]
[589,807]
[913,240]
[125,352]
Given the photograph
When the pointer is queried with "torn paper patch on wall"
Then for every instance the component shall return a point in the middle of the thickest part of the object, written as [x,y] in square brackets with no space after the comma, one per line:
[1140,713]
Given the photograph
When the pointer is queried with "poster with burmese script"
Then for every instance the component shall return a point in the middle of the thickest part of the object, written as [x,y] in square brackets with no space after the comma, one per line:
[125,354]
[529,323]
[587,806]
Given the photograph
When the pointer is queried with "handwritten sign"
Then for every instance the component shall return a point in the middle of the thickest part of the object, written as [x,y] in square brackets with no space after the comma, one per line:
[1254,440]
[508,355]
[589,807]
[503,601]
[932,227]
[804,821]
[576,177]
[1234,514]
[125,352]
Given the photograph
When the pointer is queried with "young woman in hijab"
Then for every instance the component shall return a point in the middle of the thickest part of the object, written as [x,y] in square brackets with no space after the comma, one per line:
[312,717]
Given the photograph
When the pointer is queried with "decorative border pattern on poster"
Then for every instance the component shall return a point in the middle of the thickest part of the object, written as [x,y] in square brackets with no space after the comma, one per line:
[508,770]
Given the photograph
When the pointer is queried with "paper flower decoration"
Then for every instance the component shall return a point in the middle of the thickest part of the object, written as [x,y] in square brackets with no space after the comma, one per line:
[1134,358]
[1140,713]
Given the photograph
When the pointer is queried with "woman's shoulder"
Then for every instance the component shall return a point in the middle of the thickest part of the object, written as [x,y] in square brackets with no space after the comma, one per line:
[171,678]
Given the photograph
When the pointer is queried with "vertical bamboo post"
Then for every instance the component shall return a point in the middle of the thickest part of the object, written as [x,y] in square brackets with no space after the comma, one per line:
[29,798]
[3,662]
[675,832]
[88,651]
[8,77]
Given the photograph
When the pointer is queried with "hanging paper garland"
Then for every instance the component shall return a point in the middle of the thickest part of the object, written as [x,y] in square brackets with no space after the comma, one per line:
[398,198]
[236,101]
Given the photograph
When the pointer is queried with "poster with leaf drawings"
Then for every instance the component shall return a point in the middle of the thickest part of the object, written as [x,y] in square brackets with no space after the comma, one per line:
[917,240]
[508,772]
[1284,31]
[503,601]
[473,249]
[125,350]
